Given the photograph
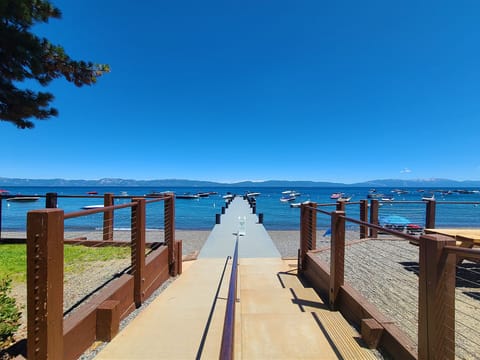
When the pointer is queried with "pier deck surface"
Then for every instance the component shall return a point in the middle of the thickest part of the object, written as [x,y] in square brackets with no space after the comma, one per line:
[277,316]
[254,241]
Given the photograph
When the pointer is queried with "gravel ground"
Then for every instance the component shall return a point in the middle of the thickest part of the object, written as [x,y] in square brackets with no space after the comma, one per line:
[385,272]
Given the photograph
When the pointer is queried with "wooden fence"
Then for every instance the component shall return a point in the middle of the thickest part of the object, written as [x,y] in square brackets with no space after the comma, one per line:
[437,261]
[53,336]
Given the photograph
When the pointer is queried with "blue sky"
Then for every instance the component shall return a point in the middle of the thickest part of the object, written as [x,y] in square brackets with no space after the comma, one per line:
[252,90]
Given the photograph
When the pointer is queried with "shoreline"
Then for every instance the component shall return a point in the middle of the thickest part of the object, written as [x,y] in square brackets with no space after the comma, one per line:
[286,241]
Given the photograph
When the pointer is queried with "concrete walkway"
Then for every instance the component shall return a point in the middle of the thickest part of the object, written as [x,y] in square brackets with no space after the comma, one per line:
[254,241]
[277,317]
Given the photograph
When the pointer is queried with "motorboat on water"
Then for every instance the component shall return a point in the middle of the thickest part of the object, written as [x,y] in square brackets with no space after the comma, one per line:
[23,198]
[344,198]
[373,194]
[90,207]
[154,194]
[252,194]
[336,195]
[287,198]
[297,205]
[187,196]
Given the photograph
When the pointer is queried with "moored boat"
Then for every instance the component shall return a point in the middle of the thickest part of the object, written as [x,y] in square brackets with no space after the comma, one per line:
[287,198]
[187,196]
[154,194]
[23,198]
[90,207]
[336,195]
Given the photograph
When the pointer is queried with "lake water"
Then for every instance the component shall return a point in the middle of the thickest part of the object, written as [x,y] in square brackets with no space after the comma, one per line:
[453,210]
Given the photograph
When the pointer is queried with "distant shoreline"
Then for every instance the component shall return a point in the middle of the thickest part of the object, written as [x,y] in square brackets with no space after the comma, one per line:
[117,182]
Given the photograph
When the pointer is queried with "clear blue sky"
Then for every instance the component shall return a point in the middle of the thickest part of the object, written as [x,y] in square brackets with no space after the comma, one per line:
[252,90]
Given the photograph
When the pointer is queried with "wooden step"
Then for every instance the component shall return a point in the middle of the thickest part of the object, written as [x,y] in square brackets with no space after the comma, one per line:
[346,340]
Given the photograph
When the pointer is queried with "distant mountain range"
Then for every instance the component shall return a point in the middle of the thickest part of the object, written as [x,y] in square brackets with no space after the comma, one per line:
[391,183]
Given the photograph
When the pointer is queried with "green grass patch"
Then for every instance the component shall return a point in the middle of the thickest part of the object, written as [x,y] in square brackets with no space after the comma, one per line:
[13,258]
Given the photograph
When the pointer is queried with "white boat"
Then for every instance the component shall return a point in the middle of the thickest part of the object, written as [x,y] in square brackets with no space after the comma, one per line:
[23,198]
[428,198]
[252,194]
[336,195]
[187,196]
[228,196]
[295,205]
[287,198]
[90,207]
[344,198]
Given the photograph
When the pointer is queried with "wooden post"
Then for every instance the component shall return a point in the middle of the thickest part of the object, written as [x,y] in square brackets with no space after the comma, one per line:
[337,257]
[178,262]
[340,205]
[364,218]
[308,230]
[51,200]
[373,217]
[108,320]
[430,214]
[138,250]
[108,217]
[436,327]
[45,230]
[169,231]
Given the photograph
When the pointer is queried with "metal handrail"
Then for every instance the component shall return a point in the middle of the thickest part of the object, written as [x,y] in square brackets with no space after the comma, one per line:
[226,350]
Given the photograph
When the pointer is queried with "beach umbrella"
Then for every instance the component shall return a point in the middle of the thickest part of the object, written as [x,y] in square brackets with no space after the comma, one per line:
[395,220]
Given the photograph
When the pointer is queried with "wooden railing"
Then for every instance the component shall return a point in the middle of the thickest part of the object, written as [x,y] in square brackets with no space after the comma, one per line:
[52,336]
[437,259]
